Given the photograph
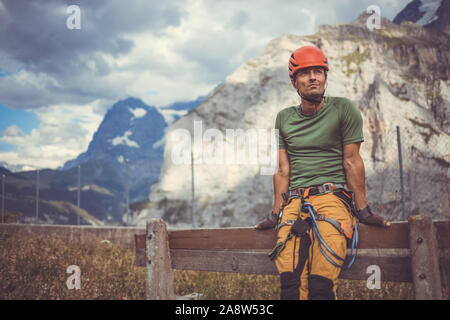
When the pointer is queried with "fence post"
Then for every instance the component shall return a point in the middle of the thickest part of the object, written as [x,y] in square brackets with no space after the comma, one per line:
[424,258]
[159,283]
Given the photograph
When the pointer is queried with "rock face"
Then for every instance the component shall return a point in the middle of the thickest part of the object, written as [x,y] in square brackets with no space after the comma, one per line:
[396,76]
[133,131]
[130,131]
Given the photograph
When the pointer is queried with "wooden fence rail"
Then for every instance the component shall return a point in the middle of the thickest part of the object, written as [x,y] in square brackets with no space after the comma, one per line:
[415,251]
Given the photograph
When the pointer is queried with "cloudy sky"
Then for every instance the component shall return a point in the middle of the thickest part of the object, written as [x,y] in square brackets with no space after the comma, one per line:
[56,83]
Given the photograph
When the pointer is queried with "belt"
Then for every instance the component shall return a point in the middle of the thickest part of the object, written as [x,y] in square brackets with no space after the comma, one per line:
[314,190]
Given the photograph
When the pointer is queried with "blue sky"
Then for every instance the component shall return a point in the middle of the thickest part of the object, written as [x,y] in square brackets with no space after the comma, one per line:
[25,120]
[60,81]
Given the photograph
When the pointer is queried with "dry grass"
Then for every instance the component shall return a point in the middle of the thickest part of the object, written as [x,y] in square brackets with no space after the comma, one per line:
[216,285]
[357,290]
[227,286]
[35,268]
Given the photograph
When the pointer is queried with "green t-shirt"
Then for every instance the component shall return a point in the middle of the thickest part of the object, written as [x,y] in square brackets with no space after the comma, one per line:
[314,143]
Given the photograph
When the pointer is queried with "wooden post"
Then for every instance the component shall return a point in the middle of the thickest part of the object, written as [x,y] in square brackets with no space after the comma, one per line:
[159,284]
[424,258]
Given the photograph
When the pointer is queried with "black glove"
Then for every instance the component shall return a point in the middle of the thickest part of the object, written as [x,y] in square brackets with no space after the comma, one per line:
[367,217]
[269,222]
[363,213]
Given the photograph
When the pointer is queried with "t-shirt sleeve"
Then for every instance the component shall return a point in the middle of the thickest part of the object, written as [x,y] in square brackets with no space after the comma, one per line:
[281,142]
[351,124]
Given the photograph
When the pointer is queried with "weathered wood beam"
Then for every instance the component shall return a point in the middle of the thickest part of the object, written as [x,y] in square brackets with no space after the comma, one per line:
[424,258]
[257,262]
[159,285]
[244,250]
[248,238]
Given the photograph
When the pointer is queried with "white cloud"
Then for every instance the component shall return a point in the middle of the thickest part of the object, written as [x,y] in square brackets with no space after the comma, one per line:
[211,41]
[64,132]
[179,49]
[190,47]
[12,134]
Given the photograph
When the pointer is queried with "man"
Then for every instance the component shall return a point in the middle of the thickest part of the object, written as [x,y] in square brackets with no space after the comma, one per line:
[319,186]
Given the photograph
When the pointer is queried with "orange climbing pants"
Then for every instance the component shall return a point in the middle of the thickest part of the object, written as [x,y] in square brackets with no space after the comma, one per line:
[314,277]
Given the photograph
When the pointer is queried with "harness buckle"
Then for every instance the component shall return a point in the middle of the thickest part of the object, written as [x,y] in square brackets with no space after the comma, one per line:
[328,187]
[300,192]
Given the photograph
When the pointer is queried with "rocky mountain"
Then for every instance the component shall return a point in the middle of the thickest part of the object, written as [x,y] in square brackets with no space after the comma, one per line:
[130,130]
[433,14]
[397,76]
[133,131]
[4,171]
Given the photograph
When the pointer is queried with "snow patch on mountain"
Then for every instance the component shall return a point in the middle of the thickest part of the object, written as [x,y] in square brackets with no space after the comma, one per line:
[170,115]
[138,113]
[125,140]
[429,8]
[160,143]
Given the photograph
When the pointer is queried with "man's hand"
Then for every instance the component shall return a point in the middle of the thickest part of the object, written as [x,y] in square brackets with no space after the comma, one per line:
[367,217]
[269,222]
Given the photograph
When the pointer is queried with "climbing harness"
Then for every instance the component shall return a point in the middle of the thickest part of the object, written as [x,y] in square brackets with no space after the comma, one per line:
[313,214]
[301,227]
[321,189]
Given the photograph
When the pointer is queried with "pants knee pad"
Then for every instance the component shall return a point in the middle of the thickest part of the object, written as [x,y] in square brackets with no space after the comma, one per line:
[290,285]
[320,288]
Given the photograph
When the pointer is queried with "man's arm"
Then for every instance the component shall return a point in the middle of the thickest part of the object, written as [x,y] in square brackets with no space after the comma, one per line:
[280,180]
[356,181]
[355,174]
[280,185]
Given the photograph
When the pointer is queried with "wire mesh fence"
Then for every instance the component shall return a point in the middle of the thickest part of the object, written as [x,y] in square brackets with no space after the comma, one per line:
[409,177]
[52,197]
[406,174]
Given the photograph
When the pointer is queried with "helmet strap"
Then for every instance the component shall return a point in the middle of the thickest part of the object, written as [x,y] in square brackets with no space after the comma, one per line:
[316,100]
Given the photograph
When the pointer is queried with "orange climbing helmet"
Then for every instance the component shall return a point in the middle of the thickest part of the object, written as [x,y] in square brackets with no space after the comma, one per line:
[305,57]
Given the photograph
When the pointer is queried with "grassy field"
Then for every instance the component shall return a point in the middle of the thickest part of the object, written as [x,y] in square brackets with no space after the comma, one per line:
[35,268]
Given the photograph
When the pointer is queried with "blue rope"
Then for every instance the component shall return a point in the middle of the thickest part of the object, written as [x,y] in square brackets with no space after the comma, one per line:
[354,245]
[322,242]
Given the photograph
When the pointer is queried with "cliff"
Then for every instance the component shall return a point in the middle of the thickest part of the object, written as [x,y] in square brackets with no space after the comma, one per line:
[396,76]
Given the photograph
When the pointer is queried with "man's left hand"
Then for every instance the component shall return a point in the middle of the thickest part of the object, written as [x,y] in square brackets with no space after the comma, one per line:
[367,217]
[376,220]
